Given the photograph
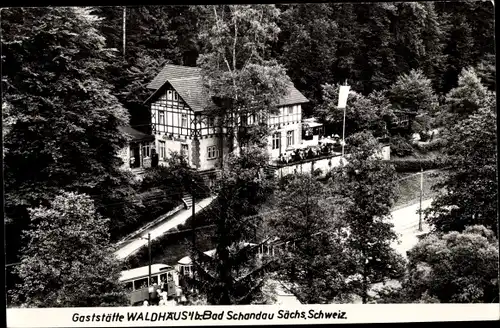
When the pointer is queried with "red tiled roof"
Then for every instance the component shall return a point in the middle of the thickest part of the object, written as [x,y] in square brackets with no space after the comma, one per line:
[188,83]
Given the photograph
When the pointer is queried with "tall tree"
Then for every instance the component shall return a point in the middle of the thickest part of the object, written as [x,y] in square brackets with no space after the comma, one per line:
[233,275]
[316,263]
[308,31]
[237,70]
[373,112]
[68,261]
[469,95]
[369,186]
[455,267]
[468,193]
[63,121]
[469,30]
[414,92]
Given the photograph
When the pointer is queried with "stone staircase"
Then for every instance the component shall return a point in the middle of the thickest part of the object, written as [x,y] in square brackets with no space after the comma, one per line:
[269,171]
[188,200]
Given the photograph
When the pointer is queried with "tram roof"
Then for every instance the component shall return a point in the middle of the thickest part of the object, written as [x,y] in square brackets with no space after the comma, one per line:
[142,272]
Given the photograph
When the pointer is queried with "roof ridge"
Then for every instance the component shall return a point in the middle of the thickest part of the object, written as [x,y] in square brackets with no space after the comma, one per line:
[185,78]
[183,66]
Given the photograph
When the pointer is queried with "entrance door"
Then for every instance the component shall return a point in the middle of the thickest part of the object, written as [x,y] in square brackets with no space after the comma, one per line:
[135,156]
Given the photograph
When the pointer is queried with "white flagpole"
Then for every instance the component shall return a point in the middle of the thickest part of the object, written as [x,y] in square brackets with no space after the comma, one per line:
[343,134]
[343,95]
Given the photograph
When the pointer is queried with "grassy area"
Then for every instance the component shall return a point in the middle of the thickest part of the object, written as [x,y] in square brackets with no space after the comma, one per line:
[408,188]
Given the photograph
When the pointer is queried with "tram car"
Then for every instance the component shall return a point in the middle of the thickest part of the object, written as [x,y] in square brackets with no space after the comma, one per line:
[136,281]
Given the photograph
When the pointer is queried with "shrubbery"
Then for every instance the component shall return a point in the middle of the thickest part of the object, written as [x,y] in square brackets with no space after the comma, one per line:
[415,165]
[436,144]
[401,147]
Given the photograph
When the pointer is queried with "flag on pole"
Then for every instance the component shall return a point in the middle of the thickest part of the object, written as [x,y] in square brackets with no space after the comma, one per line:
[343,94]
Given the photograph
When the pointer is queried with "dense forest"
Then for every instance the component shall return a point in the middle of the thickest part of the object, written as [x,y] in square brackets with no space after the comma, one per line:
[369,45]
[72,76]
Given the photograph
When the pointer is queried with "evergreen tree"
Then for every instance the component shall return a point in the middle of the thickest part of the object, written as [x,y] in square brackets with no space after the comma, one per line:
[468,96]
[68,261]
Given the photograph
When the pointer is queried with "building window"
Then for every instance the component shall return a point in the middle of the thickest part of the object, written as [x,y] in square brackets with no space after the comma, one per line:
[276,140]
[212,152]
[176,96]
[169,95]
[243,120]
[290,110]
[184,149]
[211,122]
[146,150]
[289,138]
[162,117]
[163,150]
[184,121]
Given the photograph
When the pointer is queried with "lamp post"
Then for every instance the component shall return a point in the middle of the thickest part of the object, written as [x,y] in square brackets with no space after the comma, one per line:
[149,271]
[343,94]
[421,192]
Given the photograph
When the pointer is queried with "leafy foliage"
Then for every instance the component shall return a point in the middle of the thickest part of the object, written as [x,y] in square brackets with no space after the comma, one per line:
[63,120]
[413,92]
[455,267]
[369,187]
[401,147]
[316,263]
[234,275]
[308,31]
[469,95]
[371,113]
[470,195]
[68,261]
[236,68]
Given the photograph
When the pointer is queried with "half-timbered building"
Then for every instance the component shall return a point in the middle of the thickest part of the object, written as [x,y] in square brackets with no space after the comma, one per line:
[179,121]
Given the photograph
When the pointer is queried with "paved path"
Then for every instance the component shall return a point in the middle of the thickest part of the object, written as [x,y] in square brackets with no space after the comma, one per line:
[158,230]
[405,222]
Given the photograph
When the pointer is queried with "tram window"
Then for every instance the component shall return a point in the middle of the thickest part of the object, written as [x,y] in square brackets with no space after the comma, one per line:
[170,277]
[163,277]
[129,285]
[141,283]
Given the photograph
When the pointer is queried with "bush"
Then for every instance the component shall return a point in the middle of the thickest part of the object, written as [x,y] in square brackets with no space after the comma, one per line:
[415,165]
[431,146]
[317,172]
[401,147]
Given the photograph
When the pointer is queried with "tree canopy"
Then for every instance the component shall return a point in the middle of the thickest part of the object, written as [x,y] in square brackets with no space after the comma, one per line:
[67,261]
[236,68]
[233,275]
[315,263]
[455,267]
[469,191]
[369,187]
[63,120]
